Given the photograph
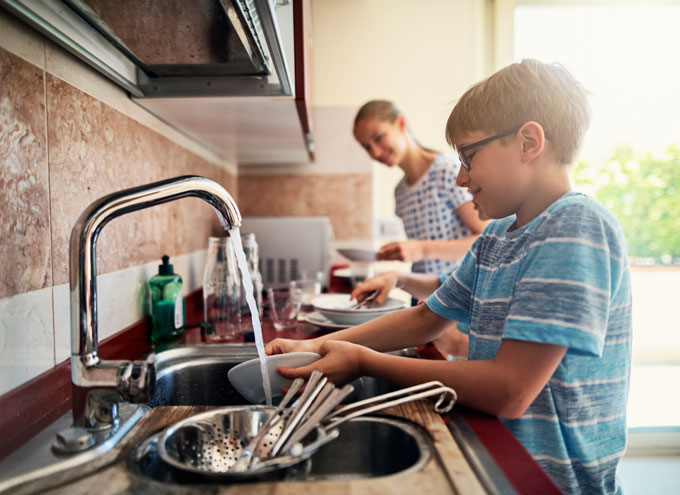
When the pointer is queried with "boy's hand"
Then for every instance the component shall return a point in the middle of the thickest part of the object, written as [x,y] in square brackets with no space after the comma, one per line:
[283,346]
[383,283]
[411,250]
[340,363]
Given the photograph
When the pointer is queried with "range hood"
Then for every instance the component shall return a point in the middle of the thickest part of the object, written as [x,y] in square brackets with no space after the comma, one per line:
[170,48]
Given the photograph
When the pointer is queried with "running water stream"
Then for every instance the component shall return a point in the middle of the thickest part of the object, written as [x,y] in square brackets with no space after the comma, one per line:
[254,315]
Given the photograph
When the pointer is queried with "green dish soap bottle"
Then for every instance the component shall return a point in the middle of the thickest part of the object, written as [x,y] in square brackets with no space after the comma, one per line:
[168,313]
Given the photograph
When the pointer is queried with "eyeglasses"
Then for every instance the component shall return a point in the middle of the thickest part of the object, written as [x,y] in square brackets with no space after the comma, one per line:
[461,151]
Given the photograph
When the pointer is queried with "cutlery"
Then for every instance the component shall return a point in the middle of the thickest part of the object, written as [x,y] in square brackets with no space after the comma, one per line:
[366,303]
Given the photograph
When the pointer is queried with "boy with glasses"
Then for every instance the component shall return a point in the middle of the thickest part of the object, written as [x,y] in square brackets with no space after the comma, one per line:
[545,290]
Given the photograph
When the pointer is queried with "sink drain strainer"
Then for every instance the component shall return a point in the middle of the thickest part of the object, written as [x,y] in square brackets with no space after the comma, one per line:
[206,445]
[212,442]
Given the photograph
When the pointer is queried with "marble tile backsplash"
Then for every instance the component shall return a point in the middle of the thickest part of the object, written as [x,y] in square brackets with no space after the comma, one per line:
[344,198]
[60,149]
[24,178]
[69,136]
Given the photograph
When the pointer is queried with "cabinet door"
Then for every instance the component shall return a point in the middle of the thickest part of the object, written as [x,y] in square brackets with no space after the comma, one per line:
[302,25]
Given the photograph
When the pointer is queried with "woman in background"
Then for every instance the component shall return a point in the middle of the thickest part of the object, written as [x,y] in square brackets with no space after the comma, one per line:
[439,218]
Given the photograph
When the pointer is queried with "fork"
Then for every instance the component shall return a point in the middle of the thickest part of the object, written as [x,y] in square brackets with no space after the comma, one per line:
[366,302]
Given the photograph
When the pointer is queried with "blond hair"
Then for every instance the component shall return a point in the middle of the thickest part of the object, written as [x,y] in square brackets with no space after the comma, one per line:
[526,91]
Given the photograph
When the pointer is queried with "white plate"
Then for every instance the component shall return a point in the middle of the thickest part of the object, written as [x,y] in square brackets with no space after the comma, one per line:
[353,254]
[342,273]
[340,303]
[247,377]
[336,307]
[316,318]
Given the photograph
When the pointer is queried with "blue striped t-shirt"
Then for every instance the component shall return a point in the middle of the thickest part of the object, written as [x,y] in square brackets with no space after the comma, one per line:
[561,279]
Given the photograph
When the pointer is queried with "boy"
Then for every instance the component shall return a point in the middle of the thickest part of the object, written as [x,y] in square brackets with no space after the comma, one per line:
[545,290]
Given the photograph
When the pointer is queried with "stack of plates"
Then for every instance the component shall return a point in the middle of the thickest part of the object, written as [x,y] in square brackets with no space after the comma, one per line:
[337,308]
[319,320]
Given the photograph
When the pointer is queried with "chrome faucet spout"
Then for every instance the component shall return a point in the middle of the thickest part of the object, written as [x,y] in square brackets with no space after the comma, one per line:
[133,380]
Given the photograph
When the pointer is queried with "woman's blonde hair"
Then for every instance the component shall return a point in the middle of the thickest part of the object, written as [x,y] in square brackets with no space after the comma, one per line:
[526,91]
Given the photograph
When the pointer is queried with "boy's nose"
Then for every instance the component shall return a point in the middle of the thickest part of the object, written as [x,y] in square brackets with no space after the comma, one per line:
[463,178]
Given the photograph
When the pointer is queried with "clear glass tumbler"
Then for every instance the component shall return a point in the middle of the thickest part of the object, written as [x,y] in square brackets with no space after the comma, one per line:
[309,290]
[221,291]
[284,307]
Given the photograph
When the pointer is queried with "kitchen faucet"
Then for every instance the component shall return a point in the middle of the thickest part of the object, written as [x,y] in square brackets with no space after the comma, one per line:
[133,380]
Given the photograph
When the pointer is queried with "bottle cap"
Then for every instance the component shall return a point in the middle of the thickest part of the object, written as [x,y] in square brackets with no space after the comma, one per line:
[166,268]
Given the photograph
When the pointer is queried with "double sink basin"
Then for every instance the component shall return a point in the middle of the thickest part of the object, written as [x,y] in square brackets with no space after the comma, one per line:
[367,447]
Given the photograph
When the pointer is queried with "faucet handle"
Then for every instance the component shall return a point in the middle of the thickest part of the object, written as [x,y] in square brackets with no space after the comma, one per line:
[137,379]
[101,410]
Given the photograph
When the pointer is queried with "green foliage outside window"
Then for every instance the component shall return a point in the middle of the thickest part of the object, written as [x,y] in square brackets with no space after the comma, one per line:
[643,192]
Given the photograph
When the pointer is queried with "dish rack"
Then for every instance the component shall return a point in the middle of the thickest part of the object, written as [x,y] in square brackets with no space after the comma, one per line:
[290,247]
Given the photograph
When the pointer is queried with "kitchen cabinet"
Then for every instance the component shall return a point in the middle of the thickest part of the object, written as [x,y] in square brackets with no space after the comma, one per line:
[231,74]
[260,130]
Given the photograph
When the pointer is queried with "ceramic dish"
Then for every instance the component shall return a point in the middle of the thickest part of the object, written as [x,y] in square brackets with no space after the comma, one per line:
[342,273]
[316,318]
[341,303]
[338,309]
[246,377]
[359,254]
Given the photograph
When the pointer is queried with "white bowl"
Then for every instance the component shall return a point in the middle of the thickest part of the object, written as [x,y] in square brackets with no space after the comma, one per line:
[246,377]
[353,254]
[337,308]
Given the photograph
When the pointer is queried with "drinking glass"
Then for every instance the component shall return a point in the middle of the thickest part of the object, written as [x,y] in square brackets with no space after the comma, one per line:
[284,307]
[309,289]
[221,291]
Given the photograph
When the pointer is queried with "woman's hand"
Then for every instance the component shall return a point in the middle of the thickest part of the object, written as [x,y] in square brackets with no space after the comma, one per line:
[411,251]
[284,346]
[383,283]
[341,362]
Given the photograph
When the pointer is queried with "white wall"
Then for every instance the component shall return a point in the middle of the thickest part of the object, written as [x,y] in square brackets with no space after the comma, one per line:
[422,55]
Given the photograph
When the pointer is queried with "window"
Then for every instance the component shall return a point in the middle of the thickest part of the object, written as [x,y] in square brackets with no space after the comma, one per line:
[625,55]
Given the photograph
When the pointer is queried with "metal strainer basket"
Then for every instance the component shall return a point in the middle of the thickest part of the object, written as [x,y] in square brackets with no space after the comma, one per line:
[210,443]
[247,441]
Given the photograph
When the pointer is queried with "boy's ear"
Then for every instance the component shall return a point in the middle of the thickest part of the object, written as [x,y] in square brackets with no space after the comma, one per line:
[532,140]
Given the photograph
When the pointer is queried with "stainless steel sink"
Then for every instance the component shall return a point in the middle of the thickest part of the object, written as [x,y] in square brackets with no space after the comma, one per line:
[197,376]
[367,447]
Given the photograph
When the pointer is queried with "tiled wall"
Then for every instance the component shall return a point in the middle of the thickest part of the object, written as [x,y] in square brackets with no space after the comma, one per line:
[344,198]
[339,184]
[68,137]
